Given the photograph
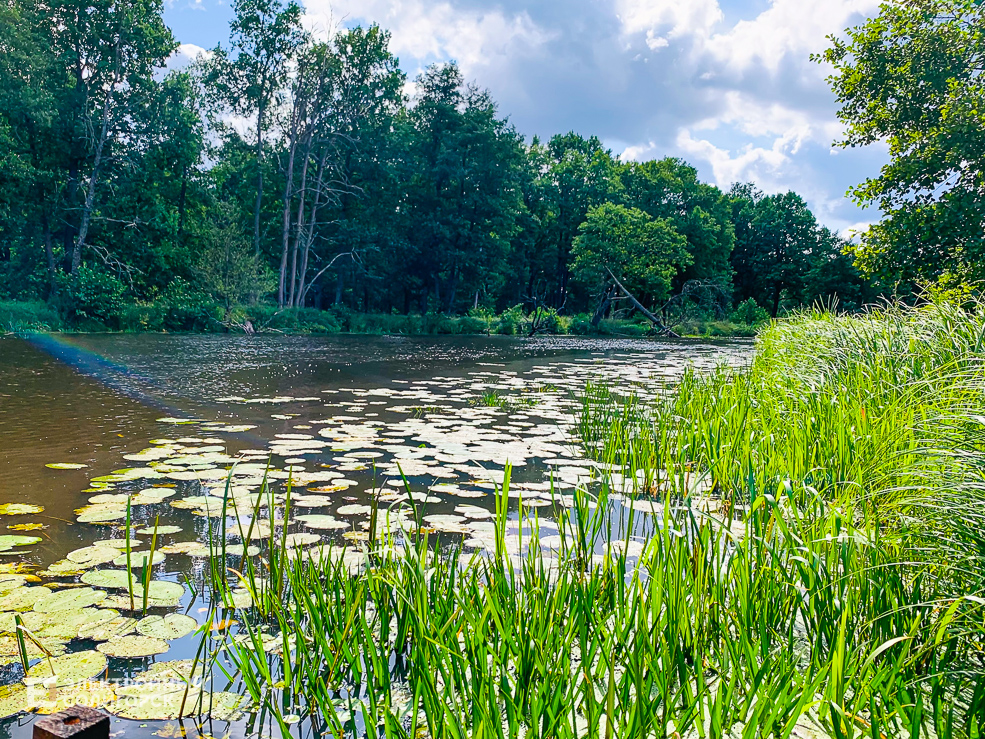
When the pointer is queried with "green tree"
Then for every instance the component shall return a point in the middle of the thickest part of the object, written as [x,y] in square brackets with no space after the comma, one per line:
[228,268]
[669,188]
[912,77]
[464,194]
[249,78]
[643,253]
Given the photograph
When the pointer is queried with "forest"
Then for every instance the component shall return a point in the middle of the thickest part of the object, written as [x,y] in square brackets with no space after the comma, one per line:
[288,171]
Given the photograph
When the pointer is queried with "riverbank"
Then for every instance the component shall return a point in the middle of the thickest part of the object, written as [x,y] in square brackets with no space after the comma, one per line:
[817,570]
[18,316]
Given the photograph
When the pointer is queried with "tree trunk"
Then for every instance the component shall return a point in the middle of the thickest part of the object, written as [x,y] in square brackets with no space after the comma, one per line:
[297,281]
[80,239]
[259,198]
[49,253]
[603,307]
[286,225]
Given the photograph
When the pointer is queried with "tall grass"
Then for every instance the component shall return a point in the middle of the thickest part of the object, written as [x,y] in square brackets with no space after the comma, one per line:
[816,567]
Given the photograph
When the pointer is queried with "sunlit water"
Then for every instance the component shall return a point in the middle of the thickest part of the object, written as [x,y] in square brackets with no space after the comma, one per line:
[343,417]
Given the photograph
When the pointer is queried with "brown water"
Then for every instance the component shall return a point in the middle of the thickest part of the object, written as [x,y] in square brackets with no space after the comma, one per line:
[450,410]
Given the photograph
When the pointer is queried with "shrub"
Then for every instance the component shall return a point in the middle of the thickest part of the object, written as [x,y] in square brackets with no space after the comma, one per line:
[749,313]
[93,296]
[511,322]
[28,316]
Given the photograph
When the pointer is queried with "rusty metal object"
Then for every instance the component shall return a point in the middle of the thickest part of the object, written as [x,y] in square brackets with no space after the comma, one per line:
[77,722]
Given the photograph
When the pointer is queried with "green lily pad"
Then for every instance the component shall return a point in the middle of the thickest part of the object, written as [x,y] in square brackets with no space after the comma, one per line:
[120,544]
[160,530]
[223,706]
[292,541]
[92,556]
[69,668]
[174,669]
[236,550]
[66,624]
[32,621]
[103,516]
[113,579]
[62,568]
[139,559]
[10,582]
[323,522]
[10,648]
[65,466]
[64,600]
[190,548]
[23,598]
[171,626]
[14,699]
[9,541]
[133,646]
[160,706]
[106,630]
[91,694]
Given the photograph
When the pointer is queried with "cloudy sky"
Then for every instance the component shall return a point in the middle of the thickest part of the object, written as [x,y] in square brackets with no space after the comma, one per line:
[725,84]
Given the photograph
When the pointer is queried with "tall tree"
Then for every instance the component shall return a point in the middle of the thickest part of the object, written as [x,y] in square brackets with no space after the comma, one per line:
[464,195]
[249,78]
[913,77]
[626,244]
[669,188]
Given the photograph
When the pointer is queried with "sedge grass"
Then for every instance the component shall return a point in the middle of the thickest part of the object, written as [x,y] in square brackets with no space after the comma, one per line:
[815,569]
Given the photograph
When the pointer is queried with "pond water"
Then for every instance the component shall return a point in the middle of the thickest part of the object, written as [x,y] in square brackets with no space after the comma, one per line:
[161,419]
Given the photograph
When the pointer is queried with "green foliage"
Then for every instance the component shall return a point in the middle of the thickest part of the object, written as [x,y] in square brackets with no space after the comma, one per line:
[749,312]
[642,252]
[911,77]
[94,295]
[36,316]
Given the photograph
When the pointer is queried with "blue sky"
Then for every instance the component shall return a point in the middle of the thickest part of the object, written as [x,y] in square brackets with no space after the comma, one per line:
[725,84]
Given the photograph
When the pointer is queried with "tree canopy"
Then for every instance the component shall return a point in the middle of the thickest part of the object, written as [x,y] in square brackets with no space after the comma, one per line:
[912,77]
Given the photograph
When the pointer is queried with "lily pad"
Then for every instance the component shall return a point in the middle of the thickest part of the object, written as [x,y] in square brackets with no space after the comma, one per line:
[158,706]
[160,530]
[191,548]
[31,620]
[9,541]
[23,598]
[120,544]
[14,699]
[66,624]
[139,559]
[27,526]
[171,626]
[223,706]
[316,521]
[65,466]
[69,668]
[92,556]
[301,539]
[69,599]
[133,647]
[106,630]
[91,694]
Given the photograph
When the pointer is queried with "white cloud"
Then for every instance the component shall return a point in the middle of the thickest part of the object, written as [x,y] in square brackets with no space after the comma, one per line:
[425,31]
[789,29]
[678,18]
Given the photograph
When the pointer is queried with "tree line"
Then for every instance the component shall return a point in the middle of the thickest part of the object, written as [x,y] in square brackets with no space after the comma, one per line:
[297,170]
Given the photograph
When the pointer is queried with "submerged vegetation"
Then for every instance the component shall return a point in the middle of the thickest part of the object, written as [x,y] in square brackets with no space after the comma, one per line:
[815,568]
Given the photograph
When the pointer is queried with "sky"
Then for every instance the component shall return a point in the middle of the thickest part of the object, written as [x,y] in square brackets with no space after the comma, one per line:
[727,85]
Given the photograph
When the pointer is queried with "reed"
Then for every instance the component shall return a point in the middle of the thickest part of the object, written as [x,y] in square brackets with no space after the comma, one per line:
[814,566]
